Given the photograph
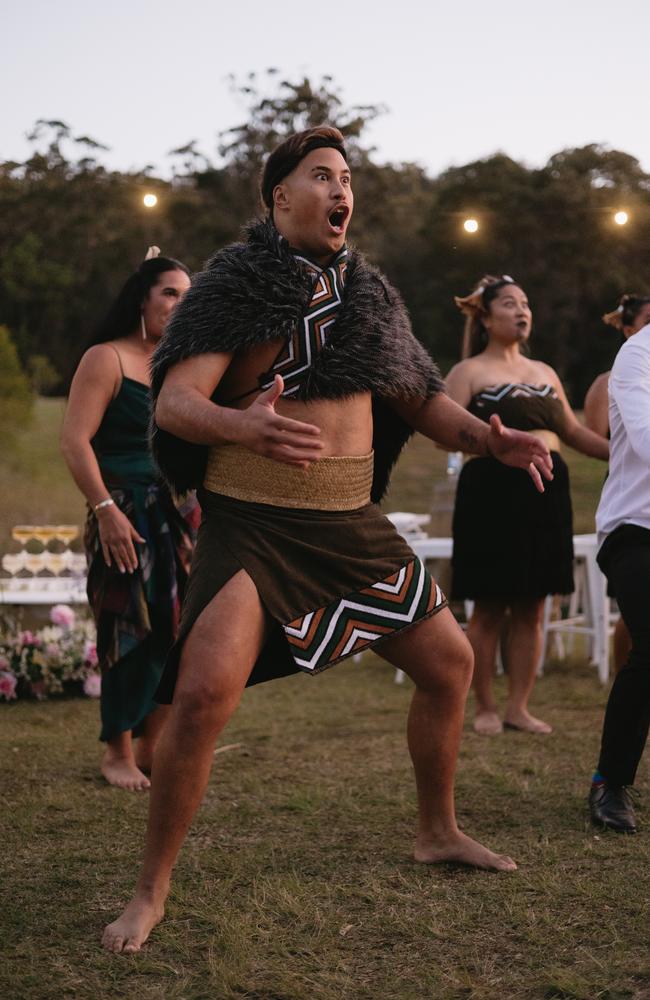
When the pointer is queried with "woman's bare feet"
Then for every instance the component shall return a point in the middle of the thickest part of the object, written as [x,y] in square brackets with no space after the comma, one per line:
[129,932]
[458,848]
[487,723]
[123,772]
[525,722]
[144,755]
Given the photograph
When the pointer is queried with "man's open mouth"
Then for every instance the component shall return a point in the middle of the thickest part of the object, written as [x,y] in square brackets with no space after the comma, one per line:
[337,218]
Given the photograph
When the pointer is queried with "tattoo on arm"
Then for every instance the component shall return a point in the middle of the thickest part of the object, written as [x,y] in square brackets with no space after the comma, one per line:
[470,443]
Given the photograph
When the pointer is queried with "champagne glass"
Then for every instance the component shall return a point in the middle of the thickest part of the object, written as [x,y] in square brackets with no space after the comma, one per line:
[54,562]
[44,533]
[67,533]
[34,562]
[22,533]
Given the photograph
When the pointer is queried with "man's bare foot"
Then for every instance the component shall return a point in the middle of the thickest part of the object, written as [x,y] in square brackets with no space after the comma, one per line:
[123,772]
[458,848]
[487,724]
[129,932]
[526,723]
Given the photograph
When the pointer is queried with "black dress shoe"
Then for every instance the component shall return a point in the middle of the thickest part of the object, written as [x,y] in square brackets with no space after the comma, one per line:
[612,807]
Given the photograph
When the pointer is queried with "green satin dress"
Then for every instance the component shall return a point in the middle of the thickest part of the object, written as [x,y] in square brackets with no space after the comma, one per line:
[136,614]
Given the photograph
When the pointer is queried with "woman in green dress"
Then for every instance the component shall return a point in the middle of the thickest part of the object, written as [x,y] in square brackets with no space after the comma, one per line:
[138,542]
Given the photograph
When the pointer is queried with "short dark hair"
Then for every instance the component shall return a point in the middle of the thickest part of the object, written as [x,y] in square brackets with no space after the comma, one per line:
[289,153]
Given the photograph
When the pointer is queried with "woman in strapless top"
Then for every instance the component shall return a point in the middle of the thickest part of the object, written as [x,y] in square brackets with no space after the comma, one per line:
[138,543]
[512,545]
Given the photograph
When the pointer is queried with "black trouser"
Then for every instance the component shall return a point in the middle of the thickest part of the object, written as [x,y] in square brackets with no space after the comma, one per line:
[625,559]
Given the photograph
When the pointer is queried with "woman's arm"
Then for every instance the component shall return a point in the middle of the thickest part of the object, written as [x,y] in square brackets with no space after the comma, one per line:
[573,433]
[94,384]
[458,384]
[596,408]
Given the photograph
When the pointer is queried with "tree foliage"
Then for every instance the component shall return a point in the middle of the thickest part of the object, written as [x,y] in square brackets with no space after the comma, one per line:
[16,398]
[73,230]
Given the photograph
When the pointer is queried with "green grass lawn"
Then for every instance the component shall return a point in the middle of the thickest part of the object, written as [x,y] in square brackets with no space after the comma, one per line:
[296,881]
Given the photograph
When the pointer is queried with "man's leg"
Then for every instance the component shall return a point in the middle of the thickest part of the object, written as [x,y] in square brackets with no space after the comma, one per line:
[484,633]
[627,717]
[217,659]
[438,658]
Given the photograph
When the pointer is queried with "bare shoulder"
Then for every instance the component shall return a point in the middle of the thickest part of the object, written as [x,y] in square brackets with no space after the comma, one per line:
[99,365]
[460,381]
[544,374]
[599,385]
[463,371]
[101,356]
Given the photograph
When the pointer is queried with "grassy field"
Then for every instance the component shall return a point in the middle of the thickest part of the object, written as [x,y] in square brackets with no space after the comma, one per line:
[296,882]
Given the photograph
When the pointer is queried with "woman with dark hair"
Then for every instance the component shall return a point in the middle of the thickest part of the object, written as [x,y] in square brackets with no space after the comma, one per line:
[512,545]
[630,316]
[138,543]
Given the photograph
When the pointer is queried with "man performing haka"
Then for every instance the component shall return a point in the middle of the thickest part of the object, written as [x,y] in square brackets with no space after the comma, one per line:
[287,383]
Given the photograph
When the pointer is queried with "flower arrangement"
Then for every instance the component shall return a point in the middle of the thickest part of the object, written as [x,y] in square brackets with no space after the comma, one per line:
[60,658]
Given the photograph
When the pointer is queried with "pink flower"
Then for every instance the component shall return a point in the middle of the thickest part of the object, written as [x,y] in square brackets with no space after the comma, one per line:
[7,686]
[28,638]
[93,685]
[90,653]
[62,614]
[52,650]
[4,663]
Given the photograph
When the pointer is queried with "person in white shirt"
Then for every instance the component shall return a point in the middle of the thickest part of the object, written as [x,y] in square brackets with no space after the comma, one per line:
[623,525]
[630,316]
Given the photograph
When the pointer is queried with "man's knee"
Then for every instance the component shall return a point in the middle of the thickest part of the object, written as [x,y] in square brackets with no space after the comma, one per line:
[205,697]
[452,671]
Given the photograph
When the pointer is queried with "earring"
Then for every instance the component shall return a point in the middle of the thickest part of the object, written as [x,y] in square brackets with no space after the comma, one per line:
[143,327]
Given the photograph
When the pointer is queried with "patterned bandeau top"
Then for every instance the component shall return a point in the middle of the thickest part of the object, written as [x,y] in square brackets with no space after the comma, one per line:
[520,405]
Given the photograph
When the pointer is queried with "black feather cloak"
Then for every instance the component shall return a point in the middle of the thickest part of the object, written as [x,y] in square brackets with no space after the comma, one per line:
[256,291]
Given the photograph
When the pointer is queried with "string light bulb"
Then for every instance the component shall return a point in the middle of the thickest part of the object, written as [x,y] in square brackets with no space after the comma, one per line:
[470,225]
[150,201]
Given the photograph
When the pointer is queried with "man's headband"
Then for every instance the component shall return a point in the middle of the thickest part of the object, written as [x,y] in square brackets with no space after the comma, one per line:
[280,166]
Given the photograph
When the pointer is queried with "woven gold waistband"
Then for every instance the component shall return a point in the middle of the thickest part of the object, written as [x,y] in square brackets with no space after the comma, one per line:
[331,483]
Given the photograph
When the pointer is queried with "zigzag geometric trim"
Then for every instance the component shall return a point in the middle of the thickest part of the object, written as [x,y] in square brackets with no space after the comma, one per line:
[297,356]
[497,392]
[321,638]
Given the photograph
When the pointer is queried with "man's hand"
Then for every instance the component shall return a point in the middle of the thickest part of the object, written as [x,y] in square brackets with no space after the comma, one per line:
[521,450]
[262,430]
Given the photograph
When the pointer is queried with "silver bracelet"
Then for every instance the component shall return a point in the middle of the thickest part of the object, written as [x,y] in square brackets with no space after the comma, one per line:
[103,503]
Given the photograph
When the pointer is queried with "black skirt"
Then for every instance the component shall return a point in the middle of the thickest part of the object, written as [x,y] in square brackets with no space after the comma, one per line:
[510,541]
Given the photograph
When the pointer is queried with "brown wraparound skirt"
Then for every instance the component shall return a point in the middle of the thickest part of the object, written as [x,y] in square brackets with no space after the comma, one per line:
[332,582]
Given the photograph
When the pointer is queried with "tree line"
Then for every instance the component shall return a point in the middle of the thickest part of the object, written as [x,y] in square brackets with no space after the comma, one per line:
[73,230]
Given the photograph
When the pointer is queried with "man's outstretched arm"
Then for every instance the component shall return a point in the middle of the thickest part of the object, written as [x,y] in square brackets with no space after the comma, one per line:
[448,424]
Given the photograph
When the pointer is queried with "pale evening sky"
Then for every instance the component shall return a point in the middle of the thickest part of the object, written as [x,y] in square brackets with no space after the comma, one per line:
[461,79]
